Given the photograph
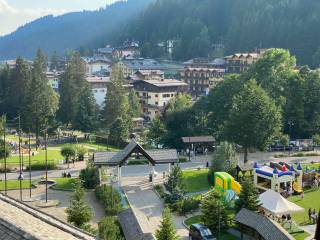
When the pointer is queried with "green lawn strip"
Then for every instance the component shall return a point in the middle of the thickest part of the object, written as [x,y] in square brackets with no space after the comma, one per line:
[14,184]
[53,155]
[300,236]
[196,180]
[310,200]
[89,146]
[67,184]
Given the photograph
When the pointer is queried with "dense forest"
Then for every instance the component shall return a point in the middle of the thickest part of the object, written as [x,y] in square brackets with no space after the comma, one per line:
[69,31]
[240,25]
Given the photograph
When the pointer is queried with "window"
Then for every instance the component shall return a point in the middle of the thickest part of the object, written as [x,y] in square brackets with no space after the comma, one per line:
[156,103]
[156,95]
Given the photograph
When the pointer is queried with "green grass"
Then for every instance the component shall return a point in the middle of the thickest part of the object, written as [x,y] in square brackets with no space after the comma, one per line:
[300,236]
[310,200]
[53,156]
[14,184]
[90,146]
[196,180]
[65,183]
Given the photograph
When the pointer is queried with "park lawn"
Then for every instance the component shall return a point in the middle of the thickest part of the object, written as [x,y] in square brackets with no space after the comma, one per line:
[14,184]
[196,180]
[53,156]
[67,184]
[300,236]
[310,200]
[90,146]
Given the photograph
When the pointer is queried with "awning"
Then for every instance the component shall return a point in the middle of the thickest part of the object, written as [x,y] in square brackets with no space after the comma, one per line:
[273,202]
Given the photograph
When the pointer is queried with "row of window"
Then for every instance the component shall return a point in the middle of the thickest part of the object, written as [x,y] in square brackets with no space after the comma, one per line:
[166,95]
[101,90]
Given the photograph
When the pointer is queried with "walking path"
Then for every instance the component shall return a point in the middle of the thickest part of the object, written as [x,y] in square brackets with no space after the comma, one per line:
[147,206]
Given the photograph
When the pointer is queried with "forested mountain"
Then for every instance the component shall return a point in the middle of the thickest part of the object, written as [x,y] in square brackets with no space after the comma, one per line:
[238,24]
[69,31]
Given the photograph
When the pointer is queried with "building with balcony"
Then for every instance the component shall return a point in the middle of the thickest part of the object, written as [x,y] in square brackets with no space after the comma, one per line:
[202,74]
[154,95]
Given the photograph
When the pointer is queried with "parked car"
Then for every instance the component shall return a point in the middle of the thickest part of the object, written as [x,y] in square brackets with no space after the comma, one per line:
[200,232]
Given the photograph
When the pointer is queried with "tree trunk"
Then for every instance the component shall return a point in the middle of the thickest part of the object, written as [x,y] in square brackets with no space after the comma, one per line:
[245,159]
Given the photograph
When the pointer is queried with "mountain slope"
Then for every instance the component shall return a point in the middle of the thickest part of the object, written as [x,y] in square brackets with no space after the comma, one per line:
[69,31]
[241,25]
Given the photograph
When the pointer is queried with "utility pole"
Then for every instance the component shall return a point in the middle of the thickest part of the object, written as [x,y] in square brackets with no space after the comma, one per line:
[30,182]
[5,156]
[46,156]
[20,160]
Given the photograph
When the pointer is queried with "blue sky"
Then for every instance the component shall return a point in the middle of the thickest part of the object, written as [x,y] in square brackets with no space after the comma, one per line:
[14,13]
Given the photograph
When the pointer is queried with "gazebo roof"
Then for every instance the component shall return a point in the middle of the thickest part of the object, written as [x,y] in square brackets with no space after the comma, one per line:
[198,139]
[118,158]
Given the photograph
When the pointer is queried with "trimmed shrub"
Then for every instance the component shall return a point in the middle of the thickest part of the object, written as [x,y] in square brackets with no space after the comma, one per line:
[110,198]
[42,166]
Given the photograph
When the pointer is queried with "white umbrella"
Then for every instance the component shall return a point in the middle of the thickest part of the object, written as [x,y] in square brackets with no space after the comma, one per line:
[273,202]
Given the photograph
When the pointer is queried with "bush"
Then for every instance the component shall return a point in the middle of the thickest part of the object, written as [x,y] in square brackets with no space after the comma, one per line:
[110,199]
[8,149]
[89,177]
[186,205]
[183,159]
[81,151]
[160,190]
[42,166]
[109,229]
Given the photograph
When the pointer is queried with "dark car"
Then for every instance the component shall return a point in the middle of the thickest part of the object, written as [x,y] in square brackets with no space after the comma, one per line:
[200,232]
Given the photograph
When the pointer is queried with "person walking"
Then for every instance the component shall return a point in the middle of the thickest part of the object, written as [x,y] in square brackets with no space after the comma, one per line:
[309,214]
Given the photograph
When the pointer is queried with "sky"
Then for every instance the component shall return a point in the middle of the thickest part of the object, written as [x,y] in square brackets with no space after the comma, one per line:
[14,13]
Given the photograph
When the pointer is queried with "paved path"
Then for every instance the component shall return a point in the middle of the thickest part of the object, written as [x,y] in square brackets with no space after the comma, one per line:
[147,206]
[311,229]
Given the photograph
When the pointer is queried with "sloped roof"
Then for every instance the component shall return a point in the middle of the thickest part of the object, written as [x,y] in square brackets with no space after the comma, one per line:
[268,229]
[20,221]
[131,228]
[118,158]
[198,139]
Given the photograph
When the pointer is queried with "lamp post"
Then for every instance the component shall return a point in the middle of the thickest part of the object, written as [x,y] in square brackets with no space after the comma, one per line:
[30,176]
[46,159]
[20,159]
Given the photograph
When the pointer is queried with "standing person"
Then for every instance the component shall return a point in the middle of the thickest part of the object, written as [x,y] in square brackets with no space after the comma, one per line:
[302,195]
[309,214]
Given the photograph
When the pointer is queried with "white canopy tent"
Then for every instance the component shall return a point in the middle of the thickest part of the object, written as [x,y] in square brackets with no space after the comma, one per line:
[274,203]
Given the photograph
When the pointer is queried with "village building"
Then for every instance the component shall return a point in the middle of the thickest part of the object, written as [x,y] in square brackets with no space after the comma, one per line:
[130,66]
[54,79]
[154,95]
[202,74]
[98,66]
[128,49]
[99,86]
[107,51]
[148,75]
[240,62]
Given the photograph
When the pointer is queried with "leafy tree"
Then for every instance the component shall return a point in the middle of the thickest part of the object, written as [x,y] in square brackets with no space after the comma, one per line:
[156,131]
[4,88]
[109,229]
[316,139]
[178,103]
[89,176]
[42,100]
[175,180]
[166,230]
[224,159]
[79,213]
[4,152]
[134,104]
[68,152]
[248,197]
[254,118]
[110,199]
[214,214]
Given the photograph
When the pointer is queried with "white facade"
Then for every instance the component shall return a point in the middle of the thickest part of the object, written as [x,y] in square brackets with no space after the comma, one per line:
[99,86]
[97,66]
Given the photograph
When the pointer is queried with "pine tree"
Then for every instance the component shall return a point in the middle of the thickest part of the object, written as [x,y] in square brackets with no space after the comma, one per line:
[156,132]
[19,82]
[72,83]
[119,132]
[109,229]
[175,180]
[86,117]
[116,101]
[4,86]
[249,196]
[134,104]
[167,230]
[42,100]
[79,213]
[214,214]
